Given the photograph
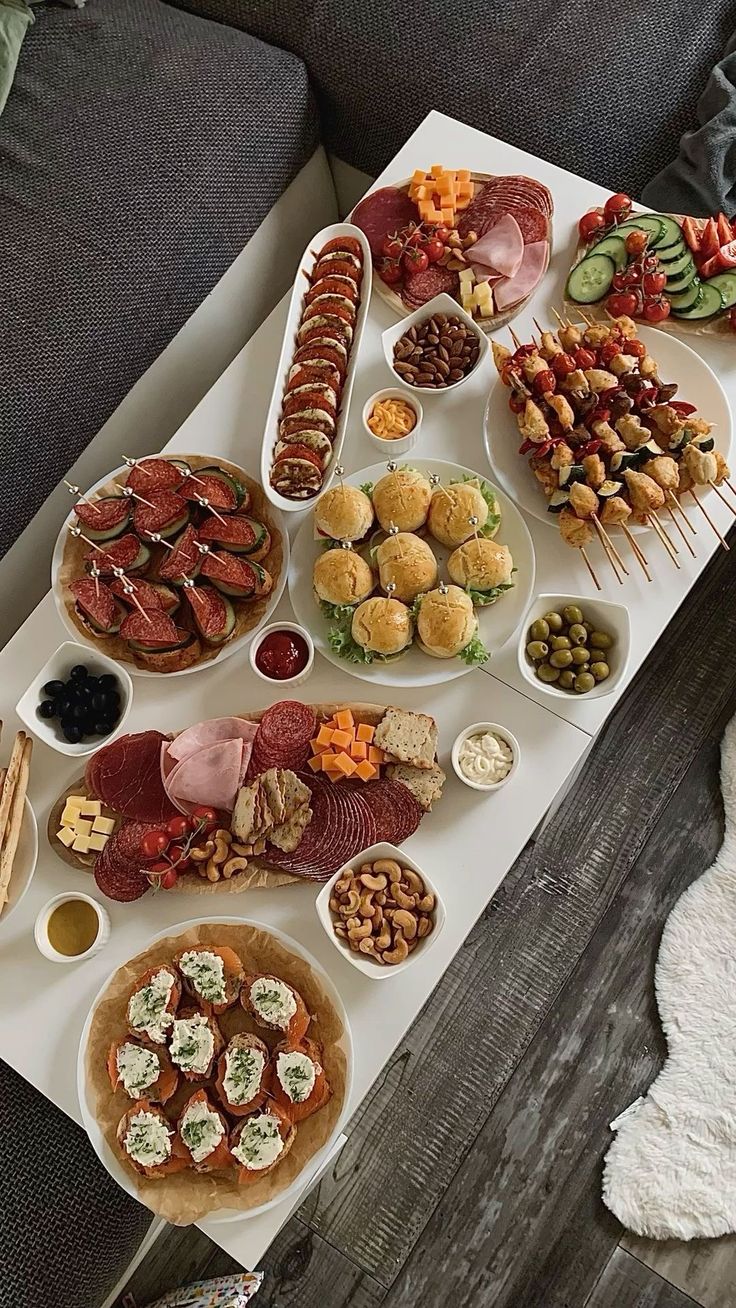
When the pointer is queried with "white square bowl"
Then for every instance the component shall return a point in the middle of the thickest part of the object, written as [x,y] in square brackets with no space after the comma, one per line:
[605,615]
[58,668]
[440,304]
[364,964]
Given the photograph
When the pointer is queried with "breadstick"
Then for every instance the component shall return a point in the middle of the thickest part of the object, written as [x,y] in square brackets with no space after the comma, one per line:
[9,784]
[15,821]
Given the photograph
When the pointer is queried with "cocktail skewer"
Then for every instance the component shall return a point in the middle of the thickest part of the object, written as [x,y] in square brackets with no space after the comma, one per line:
[653,514]
[678,528]
[589,566]
[605,536]
[158,539]
[205,504]
[722,497]
[708,519]
[140,463]
[560,320]
[130,494]
[95,574]
[638,554]
[670,548]
[129,590]
[677,505]
[74,490]
[606,550]
[515,338]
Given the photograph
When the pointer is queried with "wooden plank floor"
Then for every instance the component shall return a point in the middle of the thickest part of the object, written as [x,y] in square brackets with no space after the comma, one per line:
[472,1171]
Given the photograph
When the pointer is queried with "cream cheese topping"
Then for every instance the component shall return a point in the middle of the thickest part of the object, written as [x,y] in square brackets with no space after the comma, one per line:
[485,758]
[260,1142]
[147,1008]
[192,1044]
[206,971]
[273,1001]
[138,1068]
[297,1074]
[243,1073]
[148,1139]
[201,1130]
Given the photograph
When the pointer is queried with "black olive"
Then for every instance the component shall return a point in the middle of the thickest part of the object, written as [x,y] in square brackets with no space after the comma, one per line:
[100,701]
[89,720]
[73,733]
[78,713]
[107,681]
[47,709]
[102,727]
[79,672]
[53,688]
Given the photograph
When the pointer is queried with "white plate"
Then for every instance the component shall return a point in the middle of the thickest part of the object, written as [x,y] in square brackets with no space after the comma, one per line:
[227,650]
[296,304]
[123,1175]
[498,621]
[696,381]
[24,863]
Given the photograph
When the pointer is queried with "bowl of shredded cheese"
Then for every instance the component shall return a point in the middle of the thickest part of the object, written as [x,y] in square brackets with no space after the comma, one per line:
[485,756]
[392,420]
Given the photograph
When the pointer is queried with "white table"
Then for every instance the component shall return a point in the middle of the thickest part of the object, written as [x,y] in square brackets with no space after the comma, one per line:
[467,845]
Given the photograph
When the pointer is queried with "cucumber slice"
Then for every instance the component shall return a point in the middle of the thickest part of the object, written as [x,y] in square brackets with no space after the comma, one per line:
[710,302]
[608,489]
[674,268]
[590,279]
[677,282]
[672,255]
[645,222]
[142,648]
[232,482]
[622,460]
[704,442]
[648,451]
[678,441]
[615,247]
[558,500]
[570,473]
[686,299]
[670,234]
[725,283]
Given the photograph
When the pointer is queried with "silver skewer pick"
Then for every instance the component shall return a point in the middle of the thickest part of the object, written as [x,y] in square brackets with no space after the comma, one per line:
[95,574]
[390,587]
[391,466]
[443,588]
[203,500]
[130,494]
[158,539]
[75,490]
[393,530]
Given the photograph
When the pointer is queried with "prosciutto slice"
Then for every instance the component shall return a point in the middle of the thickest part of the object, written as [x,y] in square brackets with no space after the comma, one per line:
[501,250]
[212,732]
[512,289]
[210,776]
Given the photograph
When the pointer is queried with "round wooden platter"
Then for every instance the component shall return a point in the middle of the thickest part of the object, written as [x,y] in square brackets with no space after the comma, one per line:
[258,874]
[488,325]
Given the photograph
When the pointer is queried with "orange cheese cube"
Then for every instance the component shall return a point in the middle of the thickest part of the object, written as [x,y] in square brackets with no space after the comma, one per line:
[358,750]
[375,755]
[436,170]
[324,735]
[341,739]
[365,771]
[317,746]
[315,763]
[365,732]
[462,174]
[447,216]
[345,764]
[328,761]
[345,720]
[421,193]
[418,176]
[445,185]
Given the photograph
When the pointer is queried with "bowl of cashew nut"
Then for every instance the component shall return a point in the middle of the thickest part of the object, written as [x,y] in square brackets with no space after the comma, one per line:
[381,911]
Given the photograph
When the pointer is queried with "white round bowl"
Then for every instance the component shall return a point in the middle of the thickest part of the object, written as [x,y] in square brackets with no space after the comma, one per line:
[57,668]
[606,616]
[400,444]
[475,729]
[40,930]
[440,304]
[24,863]
[283,626]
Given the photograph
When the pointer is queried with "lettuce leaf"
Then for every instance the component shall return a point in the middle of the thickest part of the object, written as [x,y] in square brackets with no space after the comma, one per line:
[481,598]
[367,488]
[341,641]
[474,653]
[342,614]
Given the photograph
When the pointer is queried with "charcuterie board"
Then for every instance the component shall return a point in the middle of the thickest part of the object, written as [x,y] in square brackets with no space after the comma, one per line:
[348,809]
[209,599]
[528,199]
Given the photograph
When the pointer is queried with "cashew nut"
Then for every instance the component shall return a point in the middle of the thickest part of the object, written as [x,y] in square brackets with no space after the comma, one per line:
[352,923]
[341,929]
[367,907]
[404,901]
[399,952]
[413,881]
[234,865]
[222,843]
[381,897]
[424,927]
[373,883]
[243,850]
[406,922]
[334,904]
[377,915]
[213,871]
[426,904]
[351,905]
[383,940]
[361,932]
[343,885]
[200,853]
[367,945]
[387,867]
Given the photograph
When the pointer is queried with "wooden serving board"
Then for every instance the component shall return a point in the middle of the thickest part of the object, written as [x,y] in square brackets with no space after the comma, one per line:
[487,325]
[259,874]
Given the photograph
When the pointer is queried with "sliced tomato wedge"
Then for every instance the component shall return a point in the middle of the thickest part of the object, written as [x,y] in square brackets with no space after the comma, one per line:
[301,452]
[725,235]
[709,242]
[692,230]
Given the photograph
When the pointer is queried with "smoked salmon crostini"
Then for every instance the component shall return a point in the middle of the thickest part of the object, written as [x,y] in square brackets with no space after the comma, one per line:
[203,1132]
[212,976]
[275,1005]
[142,1070]
[261,1141]
[153,1002]
[149,1142]
[196,1042]
[297,1081]
[242,1072]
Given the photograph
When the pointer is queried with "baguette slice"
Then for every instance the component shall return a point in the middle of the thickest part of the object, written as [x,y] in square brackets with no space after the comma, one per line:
[408,737]
[425,784]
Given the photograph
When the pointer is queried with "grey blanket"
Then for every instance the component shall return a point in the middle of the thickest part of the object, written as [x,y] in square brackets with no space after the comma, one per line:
[702,179]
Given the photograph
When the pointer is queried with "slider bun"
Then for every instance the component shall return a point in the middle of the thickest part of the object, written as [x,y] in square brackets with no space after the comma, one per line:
[481,564]
[409,563]
[446,623]
[382,625]
[342,577]
[401,499]
[450,510]
[344,513]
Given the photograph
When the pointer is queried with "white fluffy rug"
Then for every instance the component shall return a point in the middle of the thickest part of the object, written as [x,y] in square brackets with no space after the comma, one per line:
[671,1171]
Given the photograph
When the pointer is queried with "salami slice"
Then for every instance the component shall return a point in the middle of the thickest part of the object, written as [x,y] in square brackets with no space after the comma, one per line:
[164,511]
[104,515]
[235,575]
[238,531]
[420,287]
[97,603]
[396,811]
[532,222]
[287,721]
[213,614]
[146,593]
[126,776]
[328,842]
[383,212]
[155,475]
[123,883]
[151,627]
[183,560]
[219,493]
[121,553]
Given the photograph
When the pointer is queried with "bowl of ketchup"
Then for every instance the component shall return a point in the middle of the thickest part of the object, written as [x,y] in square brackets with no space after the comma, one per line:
[283,653]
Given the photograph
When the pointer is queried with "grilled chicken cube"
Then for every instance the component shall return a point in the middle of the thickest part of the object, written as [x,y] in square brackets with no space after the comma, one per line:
[723,470]
[583,500]
[596,334]
[595,470]
[698,427]
[614,510]
[545,473]
[563,409]
[532,423]
[664,471]
[609,439]
[533,364]
[622,363]
[562,456]
[570,337]
[648,366]
[576,383]
[599,379]
[702,466]
[665,418]
[632,431]
[550,345]
[574,531]
[501,357]
[626,327]
[645,495]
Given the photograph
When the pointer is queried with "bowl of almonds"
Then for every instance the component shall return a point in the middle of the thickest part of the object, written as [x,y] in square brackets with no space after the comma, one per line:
[437,348]
[381,911]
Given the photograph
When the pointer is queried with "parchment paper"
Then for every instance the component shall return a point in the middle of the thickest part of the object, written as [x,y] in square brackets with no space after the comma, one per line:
[187,1196]
[247,615]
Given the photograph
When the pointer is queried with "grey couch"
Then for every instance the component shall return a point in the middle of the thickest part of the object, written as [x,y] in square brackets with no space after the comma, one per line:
[142,146]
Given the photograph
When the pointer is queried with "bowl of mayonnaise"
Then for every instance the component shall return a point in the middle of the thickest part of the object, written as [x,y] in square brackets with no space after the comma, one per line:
[485,756]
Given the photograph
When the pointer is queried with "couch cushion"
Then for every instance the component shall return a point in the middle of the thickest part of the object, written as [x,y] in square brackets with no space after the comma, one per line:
[602,90]
[139,150]
[69,1231]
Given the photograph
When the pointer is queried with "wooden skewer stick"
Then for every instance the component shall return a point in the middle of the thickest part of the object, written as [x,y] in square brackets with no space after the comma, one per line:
[130,494]
[605,536]
[129,590]
[640,558]
[536,324]
[202,499]
[515,338]
[730,485]
[653,514]
[15,818]
[678,528]
[158,539]
[589,566]
[721,496]
[709,520]
[607,552]
[74,490]
[654,523]
[676,504]
[560,320]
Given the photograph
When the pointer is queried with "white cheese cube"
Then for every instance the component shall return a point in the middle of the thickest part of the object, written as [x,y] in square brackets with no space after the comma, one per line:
[97,841]
[91,808]
[66,836]
[103,825]
[70,814]
[467,277]
[83,827]
[76,801]
[81,845]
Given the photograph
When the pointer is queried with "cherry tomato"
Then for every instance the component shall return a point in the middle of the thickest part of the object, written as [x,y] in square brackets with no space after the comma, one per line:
[681,407]
[434,249]
[591,224]
[650,263]
[623,305]
[544,382]
[541,451]
[608,351]
[657,310]
[157,870]
[732,319]
[389,270]
[653,283]
[562,364]
[179,858]
[632,275]
[584,358]
[169,879]
[635,347]
[205,813]
[178,827]
[590,447]
[414,260]
[415,236]
[517,403]
[392,247]
[523,352]
[154,843]
[617,207]
[636,242]
[442,233]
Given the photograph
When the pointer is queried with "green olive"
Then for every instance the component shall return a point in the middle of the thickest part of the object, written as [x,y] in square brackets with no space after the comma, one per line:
[577,634]
[537,649]
[560,642]
[571,613]
[601,640]
[562,658]
[584,682]
[588,627]
[554,621]
[580,655]
[546,672]
[567,679]
[539,630]
[597,656]
[600,670]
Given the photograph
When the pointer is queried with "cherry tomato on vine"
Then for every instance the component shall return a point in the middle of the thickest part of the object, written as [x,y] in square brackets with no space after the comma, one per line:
[544,382]
[617,207]
[623,305]
[154,843]
[591,224]
[205,813]
[414,260]
[657,310]
[442,233]
[158,870]
[169,878]
[636,242]
[179,858]
[434,249]
[415,236]
[584,358]
[178,827]
[562,364]
[653,283]
[389,270]
[392,247]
